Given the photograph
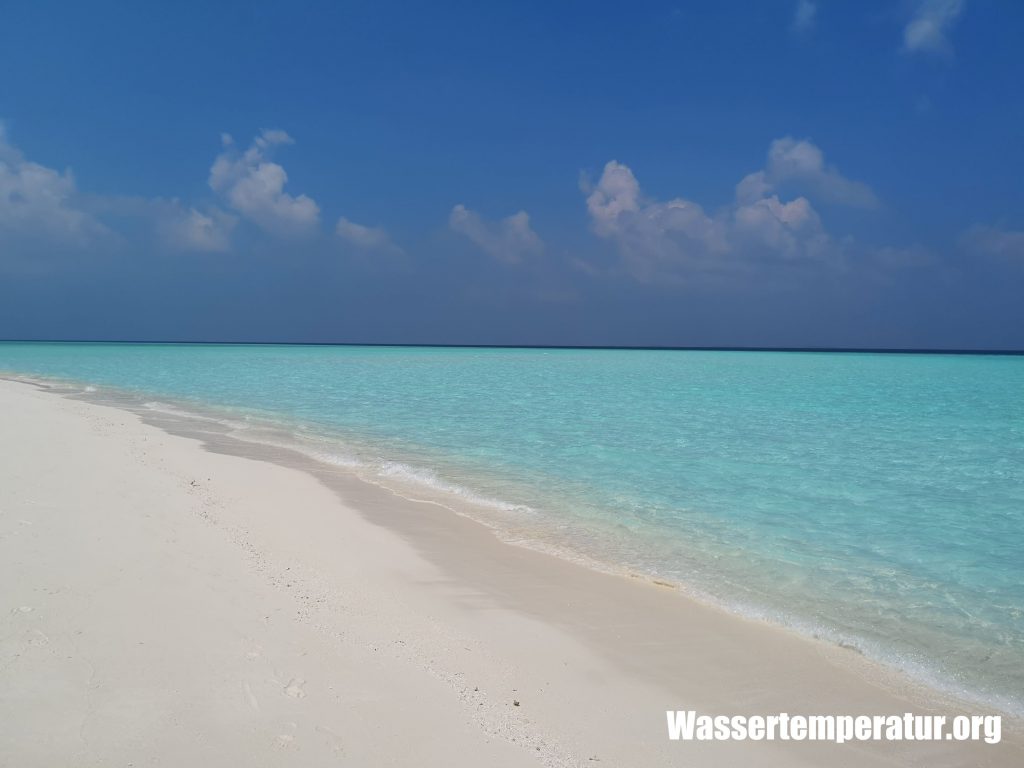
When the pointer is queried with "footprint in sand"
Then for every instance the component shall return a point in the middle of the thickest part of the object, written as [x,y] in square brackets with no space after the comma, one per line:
[294,688]
[38,639]
[285,740]
[333,739]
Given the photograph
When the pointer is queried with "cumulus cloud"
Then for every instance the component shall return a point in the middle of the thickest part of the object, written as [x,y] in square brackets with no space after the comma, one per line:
[803,16]
[928,29]
[651,235]
[675,238]
[801,165]
[368,239]
[190,229]
[790,230]
[509,240]
[41,203]
[1005,244]
[253,185]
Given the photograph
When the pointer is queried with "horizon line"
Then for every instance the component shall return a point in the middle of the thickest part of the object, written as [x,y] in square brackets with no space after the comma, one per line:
[595,347]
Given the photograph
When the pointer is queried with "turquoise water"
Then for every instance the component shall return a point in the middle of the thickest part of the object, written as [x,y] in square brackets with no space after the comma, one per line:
[874,500]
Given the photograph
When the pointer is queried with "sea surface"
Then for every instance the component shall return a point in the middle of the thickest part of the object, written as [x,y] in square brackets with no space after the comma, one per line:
[873,500]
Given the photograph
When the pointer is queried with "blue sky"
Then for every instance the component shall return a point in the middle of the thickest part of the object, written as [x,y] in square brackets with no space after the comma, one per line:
[730,173]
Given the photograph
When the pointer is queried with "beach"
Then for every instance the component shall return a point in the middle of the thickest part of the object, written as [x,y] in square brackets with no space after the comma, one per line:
[174,598]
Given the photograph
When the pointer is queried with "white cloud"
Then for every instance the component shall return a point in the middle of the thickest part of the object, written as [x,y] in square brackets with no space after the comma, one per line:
[175,225]
[801,164]
[803,16]
[40,202]
[678,238]
[1007,244]
[254,186]
[510,240]
[370,239]
[651,235]
[927,30]
[790,230]
[193,230]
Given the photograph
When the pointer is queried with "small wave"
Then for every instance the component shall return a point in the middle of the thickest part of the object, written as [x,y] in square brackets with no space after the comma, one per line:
[195,413]
[388,473]
[914,667]
[161,407]
[336,459]
[430,479]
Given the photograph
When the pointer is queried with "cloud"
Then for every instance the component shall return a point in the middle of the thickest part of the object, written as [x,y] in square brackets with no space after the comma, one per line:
[678,239]
[927,30]
[801,164]
[42,206]
[803,16]
[1004,244]
[193,230]
[41,203]
[367,239]
[651,235]
[509,240]
[790,231]
[172,224]
[254,186]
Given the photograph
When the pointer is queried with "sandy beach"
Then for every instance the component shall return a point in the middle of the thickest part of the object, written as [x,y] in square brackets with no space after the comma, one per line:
[178,598]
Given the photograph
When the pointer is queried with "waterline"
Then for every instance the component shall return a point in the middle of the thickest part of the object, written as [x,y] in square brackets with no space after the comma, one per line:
[873,501]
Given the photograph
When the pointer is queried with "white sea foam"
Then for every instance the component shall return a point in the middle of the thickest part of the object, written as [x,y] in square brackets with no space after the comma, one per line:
[914,666]
[406,473]
[408,480]
[161,407]
[235,422]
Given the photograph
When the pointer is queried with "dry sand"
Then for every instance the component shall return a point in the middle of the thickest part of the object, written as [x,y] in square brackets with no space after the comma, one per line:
[172,598]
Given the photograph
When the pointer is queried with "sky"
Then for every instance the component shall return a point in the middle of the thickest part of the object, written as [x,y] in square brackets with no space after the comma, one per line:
[794,173]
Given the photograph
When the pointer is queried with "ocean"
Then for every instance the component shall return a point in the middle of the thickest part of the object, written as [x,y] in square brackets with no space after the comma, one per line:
[872,500]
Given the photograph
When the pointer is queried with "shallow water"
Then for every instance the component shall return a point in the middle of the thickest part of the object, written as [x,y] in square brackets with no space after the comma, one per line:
[875,500]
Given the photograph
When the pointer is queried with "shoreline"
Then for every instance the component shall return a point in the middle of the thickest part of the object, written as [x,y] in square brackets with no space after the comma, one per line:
[654,648]
[227,426]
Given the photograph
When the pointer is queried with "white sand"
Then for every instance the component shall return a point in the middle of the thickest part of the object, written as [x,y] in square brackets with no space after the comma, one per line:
[167,605]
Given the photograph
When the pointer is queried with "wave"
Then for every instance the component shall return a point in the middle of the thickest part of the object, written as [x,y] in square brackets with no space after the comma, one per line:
[397,470]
